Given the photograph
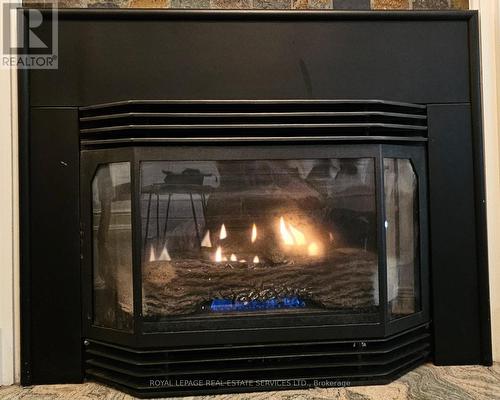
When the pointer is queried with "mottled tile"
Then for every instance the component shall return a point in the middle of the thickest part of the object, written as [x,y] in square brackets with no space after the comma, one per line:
[397,390]
[107,4]
[300,4]
[272,4]
[431,4]
[320,4]
[457,382]
[72,3]
[351,4]
[36,4]
[460,4]
[390,4]
[231,4]
[190,4]
[149,4]
[57,3]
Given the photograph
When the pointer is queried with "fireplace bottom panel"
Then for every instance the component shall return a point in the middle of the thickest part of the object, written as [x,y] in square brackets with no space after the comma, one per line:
[219,369]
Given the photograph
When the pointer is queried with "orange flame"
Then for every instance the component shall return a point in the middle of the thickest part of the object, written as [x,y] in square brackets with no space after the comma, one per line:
[256,260]
[233,258]
[218,254]
[164,256]
[313,249]
[254,233]
[223,233]
[291,235]
[298,236]
[285,234]
[152,256]
[206,242]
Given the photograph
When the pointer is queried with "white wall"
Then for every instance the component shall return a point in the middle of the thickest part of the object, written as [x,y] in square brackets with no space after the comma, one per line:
[494,219]
[8,230]
[490,58]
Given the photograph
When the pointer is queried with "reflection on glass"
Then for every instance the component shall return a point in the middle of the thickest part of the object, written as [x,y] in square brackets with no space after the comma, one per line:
[402,236]
[259,236]
[112,246]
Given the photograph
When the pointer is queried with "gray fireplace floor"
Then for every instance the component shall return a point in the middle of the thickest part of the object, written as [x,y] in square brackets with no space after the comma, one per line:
[425,383]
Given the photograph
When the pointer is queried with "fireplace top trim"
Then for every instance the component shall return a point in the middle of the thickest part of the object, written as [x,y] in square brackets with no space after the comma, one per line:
[252,101]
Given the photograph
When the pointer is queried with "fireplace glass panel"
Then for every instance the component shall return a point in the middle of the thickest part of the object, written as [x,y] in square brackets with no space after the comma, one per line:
[259,236]
[112,244]
[402,236]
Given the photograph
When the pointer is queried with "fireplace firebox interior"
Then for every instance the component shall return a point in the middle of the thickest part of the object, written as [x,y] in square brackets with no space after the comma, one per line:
[255,235]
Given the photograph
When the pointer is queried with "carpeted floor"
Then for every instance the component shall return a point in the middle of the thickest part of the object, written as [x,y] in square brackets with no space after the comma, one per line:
[425,383]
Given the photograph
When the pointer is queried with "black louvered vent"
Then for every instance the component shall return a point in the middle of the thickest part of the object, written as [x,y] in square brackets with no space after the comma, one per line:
[247,120]
[183,371]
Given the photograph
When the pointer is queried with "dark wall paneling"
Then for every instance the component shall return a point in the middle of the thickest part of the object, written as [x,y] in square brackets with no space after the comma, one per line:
[480,192]
[454,249]
[54,247]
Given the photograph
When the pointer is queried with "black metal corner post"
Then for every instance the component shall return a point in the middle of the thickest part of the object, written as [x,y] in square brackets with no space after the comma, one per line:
[85,243]
[381,232]
[480,189]
[137,256]
[419,161]
[24,215]
[423,206]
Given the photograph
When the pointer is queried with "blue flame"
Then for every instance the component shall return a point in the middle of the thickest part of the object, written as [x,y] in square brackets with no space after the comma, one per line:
[219,305]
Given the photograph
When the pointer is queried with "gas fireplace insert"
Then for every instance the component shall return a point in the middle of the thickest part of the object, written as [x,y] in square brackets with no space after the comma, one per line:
[221,201]
[250,224]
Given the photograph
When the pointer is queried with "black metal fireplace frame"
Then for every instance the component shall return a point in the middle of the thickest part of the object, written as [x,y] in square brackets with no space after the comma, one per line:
[213,329]
[51,331]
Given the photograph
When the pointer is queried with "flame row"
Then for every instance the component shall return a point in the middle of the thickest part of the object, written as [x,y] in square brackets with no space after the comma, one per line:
[290,235]
[207,242]
[219,257]
[164,256]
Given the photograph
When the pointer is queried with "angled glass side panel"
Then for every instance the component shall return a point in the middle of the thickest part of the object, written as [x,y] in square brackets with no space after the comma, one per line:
[112,247]
[402,237]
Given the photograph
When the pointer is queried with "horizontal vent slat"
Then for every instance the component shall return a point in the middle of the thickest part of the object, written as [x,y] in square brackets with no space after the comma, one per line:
[412,332]
[215,115]
[251,126]
[246,139]
[247,103]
